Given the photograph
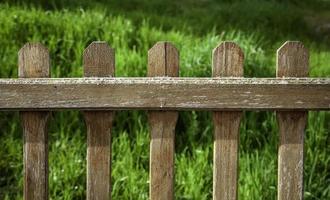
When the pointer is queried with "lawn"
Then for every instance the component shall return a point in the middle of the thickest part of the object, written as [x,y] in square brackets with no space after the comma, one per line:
[195,28]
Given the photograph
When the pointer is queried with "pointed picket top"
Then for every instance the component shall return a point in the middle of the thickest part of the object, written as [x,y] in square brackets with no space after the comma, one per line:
[99,60]
[33,61]
[292,60]
[227,60]
[163,60]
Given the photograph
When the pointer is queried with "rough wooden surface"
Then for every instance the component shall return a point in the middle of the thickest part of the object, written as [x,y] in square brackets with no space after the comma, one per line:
[292,61]
[99,61]
[159,93]
[227,61]
[33,61]
[163,60]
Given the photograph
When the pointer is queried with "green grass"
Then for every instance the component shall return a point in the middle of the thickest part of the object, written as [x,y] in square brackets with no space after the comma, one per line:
[195,27]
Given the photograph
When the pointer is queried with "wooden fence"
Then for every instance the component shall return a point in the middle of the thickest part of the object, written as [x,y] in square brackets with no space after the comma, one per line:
[227,94]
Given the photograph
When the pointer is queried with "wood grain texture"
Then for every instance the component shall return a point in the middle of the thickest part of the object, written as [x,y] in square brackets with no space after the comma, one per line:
[33,61]
[189,93]
[99,61]
[163,60]
[227,61]
[292,61]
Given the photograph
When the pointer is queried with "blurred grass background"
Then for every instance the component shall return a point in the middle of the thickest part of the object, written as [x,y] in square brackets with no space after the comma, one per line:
[66,27]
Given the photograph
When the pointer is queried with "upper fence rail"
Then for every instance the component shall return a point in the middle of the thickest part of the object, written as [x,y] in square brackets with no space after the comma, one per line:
[165,93]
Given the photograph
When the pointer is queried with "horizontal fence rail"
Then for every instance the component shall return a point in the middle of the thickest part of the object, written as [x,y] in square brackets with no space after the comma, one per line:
[165,93]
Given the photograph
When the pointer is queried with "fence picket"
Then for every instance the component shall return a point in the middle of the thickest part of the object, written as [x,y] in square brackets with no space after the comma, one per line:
[163,60]
[227,61]
[33,61]
[99,61]
[292,61]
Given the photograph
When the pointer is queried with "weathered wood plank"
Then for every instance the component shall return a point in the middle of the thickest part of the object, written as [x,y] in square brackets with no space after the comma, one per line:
[163,60]
[292,61]
[227,61]
[189,93]
[99,61]
[202,94]
[33,61]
